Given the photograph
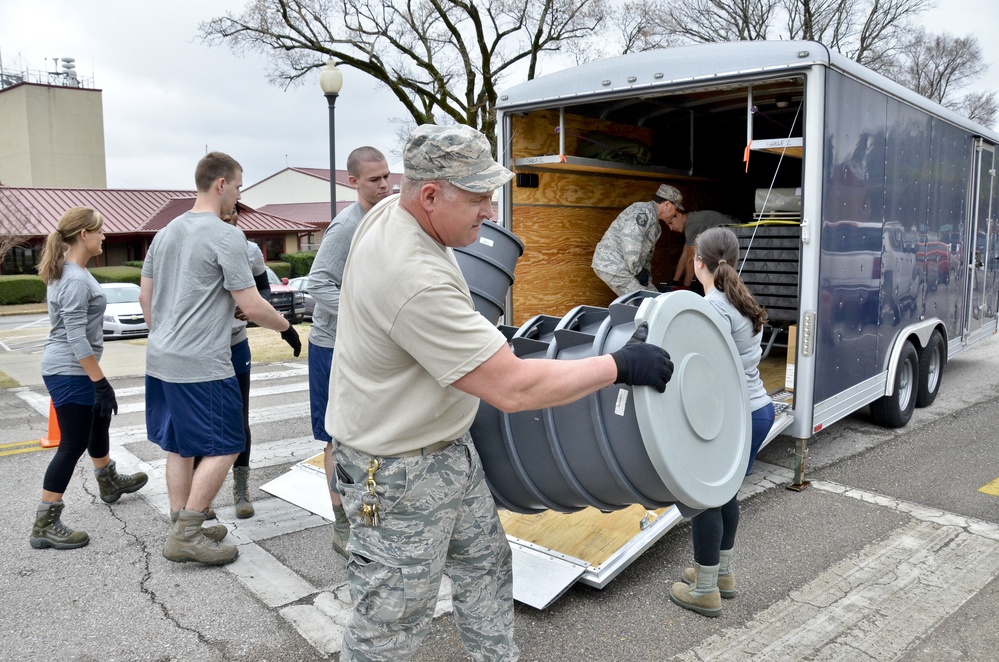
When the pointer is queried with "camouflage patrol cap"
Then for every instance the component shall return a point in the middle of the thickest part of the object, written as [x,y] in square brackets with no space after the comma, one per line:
[457,153]
[671,193]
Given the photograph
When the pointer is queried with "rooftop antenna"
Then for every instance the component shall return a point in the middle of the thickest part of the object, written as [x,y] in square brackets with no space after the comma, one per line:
[68,68]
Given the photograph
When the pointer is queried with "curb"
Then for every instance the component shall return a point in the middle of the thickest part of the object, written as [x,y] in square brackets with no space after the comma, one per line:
[35,311]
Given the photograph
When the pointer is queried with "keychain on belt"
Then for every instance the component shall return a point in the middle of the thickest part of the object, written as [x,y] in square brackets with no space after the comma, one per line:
[369,500]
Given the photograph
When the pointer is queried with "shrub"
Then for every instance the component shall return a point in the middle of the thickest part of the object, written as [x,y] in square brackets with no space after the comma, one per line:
[133,263]
[301,262]
[117,274]
[282,269]
[21,289]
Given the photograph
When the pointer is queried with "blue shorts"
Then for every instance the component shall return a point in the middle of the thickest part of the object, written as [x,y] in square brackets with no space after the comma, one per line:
[200,418]
[241,356]
[70,390]
[320,360]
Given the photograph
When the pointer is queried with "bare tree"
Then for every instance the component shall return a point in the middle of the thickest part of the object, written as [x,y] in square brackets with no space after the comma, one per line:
[640,25]
[719,20]
[443,59]
[15,222]
[982,107]
[940,67]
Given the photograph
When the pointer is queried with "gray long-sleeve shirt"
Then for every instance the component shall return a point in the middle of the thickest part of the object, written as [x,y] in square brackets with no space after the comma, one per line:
[326,275]
[76,305]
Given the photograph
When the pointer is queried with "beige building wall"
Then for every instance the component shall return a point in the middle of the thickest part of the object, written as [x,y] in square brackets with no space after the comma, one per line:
[290,186]
[52,136]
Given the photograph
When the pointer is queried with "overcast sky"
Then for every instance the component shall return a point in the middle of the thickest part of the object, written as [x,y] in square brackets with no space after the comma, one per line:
[168,98]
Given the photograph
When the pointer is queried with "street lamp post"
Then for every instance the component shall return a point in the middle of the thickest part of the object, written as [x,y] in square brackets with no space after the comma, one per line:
[331,80]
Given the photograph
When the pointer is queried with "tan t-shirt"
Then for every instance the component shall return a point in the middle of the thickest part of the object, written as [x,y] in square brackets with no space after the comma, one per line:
[407,330]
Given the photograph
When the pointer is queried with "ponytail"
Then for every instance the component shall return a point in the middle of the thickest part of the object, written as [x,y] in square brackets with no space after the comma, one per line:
[53,257]
[719,250]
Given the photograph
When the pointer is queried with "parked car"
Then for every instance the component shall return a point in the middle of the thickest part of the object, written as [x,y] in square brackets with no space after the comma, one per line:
[299,284]
[123,317]
[285,299]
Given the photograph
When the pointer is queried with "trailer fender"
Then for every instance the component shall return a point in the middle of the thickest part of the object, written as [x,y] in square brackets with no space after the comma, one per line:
[922,332]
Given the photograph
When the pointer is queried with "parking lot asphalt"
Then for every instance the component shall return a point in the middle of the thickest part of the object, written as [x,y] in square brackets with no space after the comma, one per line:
[892,553]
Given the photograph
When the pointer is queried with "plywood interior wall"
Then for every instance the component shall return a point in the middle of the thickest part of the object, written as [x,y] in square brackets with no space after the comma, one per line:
[561,221]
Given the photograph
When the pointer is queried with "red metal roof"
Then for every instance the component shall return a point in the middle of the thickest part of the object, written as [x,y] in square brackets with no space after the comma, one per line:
[313,213]
[124,210]
[132,211]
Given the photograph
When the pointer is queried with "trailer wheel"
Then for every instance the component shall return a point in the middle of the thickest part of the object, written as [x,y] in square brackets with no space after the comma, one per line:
[895,410]
[931,366]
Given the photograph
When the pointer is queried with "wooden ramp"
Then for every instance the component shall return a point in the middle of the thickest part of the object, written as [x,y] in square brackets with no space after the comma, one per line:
[551,551]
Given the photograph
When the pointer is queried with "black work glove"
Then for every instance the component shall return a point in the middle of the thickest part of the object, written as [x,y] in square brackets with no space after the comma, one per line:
[641,364]
[290,336]
[106,402]
[642,277]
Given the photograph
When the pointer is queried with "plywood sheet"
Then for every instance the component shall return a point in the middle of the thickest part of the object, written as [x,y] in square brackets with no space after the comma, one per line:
[589,535]
[773,369]
[574,190]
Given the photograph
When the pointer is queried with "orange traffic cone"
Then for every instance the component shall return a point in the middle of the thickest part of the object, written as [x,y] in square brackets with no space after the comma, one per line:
[51,440]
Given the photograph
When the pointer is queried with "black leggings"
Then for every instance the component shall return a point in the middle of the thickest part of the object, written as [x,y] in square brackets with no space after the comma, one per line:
[243,459]
[713,530]
[82,429]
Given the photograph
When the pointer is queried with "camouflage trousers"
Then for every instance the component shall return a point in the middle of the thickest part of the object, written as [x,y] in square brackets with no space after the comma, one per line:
[622,284]
[436,516]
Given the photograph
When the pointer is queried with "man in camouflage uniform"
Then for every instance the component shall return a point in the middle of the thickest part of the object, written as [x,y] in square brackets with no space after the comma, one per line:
[413,359]
[623,258]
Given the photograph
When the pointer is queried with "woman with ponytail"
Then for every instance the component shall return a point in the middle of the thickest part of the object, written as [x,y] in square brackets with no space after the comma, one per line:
[713,530]
[83,399]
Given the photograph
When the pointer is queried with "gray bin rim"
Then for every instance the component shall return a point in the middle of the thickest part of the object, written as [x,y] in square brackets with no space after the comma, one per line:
[487,260]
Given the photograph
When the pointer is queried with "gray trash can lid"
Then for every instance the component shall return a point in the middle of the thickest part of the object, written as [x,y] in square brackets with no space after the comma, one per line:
[697,433]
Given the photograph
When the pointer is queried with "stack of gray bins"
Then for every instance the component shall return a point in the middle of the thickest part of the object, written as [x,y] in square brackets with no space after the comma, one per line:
[487,265]
[621,445]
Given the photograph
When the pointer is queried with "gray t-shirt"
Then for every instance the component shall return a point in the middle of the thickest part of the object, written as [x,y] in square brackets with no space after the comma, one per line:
[748,344]
[699,221]
[76,313]
[326,275]
[194,262]
[256,259]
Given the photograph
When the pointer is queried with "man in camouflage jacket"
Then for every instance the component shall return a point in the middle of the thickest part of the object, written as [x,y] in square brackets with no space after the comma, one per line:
[623,258]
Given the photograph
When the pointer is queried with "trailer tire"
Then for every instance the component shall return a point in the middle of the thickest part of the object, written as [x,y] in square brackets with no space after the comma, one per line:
[931,367]
[895,410]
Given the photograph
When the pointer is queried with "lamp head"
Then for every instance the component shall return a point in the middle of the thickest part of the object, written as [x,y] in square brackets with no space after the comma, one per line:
[331,80]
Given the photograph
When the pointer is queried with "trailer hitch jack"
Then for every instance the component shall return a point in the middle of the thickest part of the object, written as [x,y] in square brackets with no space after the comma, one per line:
[800,454]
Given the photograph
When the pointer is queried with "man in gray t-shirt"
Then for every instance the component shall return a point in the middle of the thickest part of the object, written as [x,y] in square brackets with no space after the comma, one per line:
[193,276]
[691,224]
[368,172]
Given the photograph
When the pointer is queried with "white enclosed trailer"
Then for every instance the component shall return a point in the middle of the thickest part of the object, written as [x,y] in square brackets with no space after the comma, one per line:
[869,233]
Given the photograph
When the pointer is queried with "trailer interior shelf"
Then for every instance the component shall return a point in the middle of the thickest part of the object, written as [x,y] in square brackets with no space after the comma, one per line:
[584,166]
[787,146]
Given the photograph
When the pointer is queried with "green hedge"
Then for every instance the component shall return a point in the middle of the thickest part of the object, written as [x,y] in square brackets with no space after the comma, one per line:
[282,269]
[132,263]
[21,289]
[301,262]
[117,274]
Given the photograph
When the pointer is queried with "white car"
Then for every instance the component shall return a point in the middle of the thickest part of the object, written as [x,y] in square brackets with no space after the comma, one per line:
[123,317]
